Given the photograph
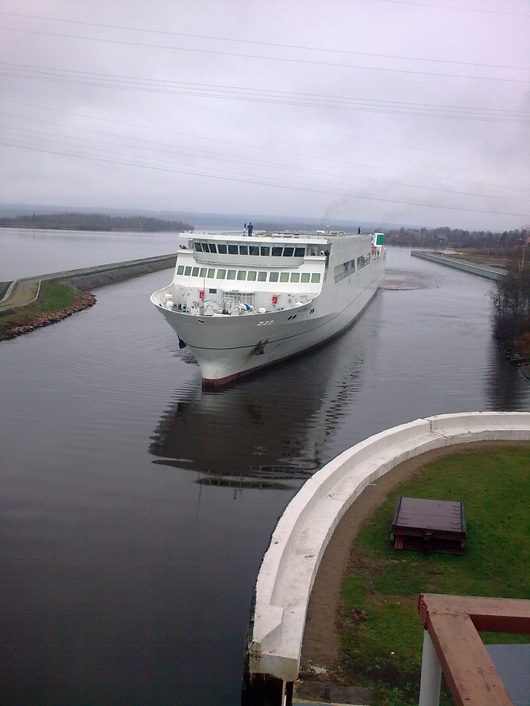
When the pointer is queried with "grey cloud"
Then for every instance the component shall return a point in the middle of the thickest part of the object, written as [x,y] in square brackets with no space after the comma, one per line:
[208,126]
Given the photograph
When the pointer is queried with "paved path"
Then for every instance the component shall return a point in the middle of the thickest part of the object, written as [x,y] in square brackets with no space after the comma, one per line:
[24,292]
[26,289]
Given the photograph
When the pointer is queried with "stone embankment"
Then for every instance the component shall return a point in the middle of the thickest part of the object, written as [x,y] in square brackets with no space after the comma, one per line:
[4,288]
[92,277]
[20,294]
[85,277]
[86,300]
[472,268]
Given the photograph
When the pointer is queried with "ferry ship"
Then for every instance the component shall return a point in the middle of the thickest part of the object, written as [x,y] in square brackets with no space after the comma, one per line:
[245,300]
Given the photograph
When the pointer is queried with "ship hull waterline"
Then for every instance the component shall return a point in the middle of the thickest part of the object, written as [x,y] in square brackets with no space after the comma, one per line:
[221,366]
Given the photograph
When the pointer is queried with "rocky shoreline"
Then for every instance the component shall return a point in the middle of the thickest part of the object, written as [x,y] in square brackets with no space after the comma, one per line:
[85,301]
[82,279]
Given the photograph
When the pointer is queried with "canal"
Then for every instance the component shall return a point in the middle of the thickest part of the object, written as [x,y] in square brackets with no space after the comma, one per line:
[136,507]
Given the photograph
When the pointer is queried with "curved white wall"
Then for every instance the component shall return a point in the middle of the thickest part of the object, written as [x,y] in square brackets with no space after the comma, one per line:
[298,543]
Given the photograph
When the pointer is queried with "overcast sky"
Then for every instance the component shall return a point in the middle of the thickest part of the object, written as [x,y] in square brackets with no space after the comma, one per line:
[363,110]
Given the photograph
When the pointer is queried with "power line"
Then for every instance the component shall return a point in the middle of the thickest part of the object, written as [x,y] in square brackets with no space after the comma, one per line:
[253,42]
[400,170]
[252,162]
[263,183]
[292,60]
[454,7]
[249,94]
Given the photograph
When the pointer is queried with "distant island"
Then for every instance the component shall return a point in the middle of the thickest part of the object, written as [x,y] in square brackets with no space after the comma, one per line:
[94,221]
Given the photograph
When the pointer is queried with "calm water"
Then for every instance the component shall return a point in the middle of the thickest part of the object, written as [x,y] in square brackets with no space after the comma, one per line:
[35,252]
[135,508]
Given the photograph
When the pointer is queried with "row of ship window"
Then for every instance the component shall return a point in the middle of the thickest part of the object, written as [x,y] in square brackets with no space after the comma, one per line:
[345,269]
[266,250]
[249,275]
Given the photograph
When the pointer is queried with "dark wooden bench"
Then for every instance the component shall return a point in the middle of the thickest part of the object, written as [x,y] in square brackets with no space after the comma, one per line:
[425,525]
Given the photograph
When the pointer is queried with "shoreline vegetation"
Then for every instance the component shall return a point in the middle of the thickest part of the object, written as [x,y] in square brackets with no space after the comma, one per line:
[54,303]
[511,301]
[95,222]
[486,242]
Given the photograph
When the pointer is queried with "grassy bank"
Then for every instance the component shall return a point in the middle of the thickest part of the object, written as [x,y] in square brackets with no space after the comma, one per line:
[479,257]
[380,629]
[53,299]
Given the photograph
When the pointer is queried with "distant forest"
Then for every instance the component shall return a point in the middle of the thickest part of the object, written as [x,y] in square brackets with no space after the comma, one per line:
[94,221]
[442,237]
[455,238]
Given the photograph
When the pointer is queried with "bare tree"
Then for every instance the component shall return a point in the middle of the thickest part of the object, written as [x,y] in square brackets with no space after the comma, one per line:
[512,298]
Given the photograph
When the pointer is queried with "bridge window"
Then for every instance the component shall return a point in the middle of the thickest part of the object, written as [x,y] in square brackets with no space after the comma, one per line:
[195,272]
[221,274]
[187,270]
[202,273]
[198,247]
[284,277]
[253,250]
[305,277]
[241,274]
[277,252]
[262,276]
[273,276]
[211,272]
[265,250]
[231,274]
[232,249]
[180,269]
[315,277]
[221,249]
[243,249]
[251,276]
[288,252]
[295,277]
[299,252]
[213,247]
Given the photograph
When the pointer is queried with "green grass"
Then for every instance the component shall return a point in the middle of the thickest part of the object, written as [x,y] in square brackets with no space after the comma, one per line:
[52,297]
[479,257]
[381,631]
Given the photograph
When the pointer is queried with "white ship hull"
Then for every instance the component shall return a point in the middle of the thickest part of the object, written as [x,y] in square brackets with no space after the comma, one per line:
[229,346]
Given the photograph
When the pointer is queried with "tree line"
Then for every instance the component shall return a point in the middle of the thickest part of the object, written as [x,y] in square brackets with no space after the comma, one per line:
[511,320]
[94,221]
[511,314]
[444,237]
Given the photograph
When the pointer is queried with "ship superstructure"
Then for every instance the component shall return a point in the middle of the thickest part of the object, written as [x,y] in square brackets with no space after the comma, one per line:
[241,301]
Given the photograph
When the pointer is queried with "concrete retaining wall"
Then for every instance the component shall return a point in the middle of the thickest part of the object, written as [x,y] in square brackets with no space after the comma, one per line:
[480,270]
[298,543]
[92,277]
[88,277]
[4,289]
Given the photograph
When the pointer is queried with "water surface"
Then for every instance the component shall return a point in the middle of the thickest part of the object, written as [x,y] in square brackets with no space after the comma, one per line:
[135,507]
[27,252]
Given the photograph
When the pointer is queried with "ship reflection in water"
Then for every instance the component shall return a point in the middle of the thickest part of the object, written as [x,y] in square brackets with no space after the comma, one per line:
[269,431]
